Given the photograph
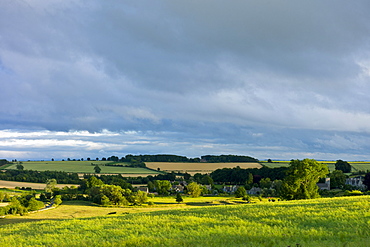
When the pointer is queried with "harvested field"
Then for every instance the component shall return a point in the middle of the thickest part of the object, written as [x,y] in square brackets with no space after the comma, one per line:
[193,168]
[38,186]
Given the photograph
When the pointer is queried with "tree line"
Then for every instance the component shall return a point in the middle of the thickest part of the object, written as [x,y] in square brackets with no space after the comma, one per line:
[39,176]
[177,158]
[130,158]
[227,158]
[238,175]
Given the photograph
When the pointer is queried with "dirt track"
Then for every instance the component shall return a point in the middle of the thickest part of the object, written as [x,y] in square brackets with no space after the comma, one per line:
[39,186]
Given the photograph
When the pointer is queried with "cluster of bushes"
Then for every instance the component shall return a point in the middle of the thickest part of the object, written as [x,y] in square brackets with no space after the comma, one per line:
[107,179]
[65,194]
[22,205]
[114,195]
[39,176]
[106,195]
[119,192]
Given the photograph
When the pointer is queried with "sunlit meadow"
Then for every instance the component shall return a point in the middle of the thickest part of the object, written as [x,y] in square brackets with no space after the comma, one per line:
[343,221]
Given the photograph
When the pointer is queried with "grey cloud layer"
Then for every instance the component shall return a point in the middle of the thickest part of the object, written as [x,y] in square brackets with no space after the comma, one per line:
[191,68]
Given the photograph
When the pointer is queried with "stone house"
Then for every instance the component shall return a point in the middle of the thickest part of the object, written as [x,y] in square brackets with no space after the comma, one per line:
[254,191]
[325,185]
[356,182]
[230,188]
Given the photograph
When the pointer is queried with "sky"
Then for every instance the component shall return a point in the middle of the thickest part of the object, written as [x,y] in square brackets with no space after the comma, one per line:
[268,79]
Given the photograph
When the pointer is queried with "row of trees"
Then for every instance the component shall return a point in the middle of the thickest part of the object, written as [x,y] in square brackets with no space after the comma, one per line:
[39,176]
[105,194]
[227,158]
[238,175]
[175,158]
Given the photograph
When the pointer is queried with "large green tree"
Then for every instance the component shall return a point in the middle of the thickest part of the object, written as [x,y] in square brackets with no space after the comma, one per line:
[240,192]
[301,180]
[34,204]
[162,186]
[97,169]
[2,196]
[207,180]
[194,189]
[344,166]
[50,185]
[136,198]
[337,179]
[20,165]
[179,198]
[265,183]
[93,182]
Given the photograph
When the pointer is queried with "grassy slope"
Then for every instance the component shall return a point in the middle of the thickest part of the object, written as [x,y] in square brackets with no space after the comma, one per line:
[322,222]
[360,166]
[82,209]
[80,167]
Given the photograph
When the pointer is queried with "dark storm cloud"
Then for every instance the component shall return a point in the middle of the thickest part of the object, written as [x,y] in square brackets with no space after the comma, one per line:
[287,78]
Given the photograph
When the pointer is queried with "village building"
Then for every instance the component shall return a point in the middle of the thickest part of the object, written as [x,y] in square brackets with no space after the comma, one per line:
[325,185]
[356,182]
[178,188]
[143,189]
[230,188]
[254,191]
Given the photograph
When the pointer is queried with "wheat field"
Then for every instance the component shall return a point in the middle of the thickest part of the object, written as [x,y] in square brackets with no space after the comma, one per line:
[193,168]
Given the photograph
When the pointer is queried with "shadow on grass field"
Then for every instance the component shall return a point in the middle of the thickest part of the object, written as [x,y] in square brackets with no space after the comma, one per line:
[86,209]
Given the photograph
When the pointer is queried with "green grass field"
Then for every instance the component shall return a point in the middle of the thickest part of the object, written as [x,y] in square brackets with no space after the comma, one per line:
[360,166]
[343,221]
[81,167]
[83,209]
[275,164]
[12,191]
